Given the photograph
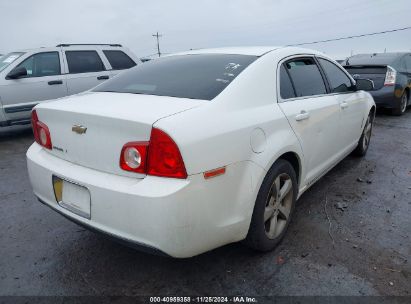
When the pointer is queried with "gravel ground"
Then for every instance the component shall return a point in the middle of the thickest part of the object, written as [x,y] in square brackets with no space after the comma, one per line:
[363,249]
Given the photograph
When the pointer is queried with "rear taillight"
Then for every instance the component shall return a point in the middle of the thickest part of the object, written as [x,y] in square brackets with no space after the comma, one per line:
[41,131]
[390,76]
[164,157]
[134,157]
[159,157]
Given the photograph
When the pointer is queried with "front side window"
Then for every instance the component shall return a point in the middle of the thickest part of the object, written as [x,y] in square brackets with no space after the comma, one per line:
[6,60]
[338,80]
[306,77]
[84,62]
[42,64]
[119,60]
[202,76]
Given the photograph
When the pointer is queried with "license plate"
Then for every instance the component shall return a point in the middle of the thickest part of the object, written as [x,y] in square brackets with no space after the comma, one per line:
[72,197]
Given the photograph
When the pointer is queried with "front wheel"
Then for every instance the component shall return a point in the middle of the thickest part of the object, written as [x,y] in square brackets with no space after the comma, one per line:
[273,208]
[364,142]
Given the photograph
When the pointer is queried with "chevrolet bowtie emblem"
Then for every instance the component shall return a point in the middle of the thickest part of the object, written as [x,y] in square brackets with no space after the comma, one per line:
[79,129]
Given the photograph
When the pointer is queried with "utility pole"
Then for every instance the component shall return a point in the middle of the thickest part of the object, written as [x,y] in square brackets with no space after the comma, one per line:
[158,43]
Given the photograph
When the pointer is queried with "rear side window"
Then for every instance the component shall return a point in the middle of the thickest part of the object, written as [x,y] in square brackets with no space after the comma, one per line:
[202,76]
[84,62]
[306,77]
[338,80]
[286,87]
[42,64]
[119,60]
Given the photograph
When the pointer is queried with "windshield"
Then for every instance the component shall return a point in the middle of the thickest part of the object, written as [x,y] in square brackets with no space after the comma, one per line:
[201,76]
[6,60]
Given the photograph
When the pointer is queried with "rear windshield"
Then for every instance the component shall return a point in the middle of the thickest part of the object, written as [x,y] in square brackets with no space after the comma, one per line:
[8,59]
[372,59]
[201,76]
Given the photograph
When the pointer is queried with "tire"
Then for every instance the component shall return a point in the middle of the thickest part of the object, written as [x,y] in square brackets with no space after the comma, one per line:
[272,213]
[402,107]
[364,141]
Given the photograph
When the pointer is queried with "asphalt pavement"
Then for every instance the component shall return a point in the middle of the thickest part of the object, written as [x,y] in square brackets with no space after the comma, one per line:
[351,235]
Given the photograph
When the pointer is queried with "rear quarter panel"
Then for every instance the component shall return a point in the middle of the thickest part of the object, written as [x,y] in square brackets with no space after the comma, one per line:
[245,114]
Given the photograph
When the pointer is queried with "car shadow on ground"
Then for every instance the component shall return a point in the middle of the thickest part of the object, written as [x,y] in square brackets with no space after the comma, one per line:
[15,133]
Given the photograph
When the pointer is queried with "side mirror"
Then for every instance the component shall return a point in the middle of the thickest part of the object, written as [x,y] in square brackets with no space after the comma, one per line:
[17,73]
[364,84]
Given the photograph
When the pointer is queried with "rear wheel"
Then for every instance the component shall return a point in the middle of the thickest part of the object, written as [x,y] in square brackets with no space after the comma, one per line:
[273,208]
[365,138]
[402,107]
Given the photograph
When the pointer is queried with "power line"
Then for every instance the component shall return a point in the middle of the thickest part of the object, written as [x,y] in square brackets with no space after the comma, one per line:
[158,43]
[351,37]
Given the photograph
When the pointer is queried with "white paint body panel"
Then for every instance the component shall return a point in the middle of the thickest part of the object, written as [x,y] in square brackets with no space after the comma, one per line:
[187,217]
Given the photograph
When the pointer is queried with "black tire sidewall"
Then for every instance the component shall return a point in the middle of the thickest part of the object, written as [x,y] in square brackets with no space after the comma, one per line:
[398,111]
[360,151]
[257,237]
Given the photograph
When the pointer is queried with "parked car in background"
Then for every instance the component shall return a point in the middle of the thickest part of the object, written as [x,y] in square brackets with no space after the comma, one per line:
[30,77]
[391,74]
[192,151]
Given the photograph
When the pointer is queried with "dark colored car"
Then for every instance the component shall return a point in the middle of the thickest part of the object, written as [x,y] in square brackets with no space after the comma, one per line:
[391,74]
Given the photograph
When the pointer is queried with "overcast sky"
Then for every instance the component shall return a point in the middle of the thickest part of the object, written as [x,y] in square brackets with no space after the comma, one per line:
[187,24]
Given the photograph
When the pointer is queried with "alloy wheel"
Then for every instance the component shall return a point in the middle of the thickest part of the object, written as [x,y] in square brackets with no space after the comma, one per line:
[278,206]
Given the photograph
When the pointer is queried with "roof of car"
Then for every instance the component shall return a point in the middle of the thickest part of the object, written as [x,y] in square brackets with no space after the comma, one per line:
[245,50]
[65,46]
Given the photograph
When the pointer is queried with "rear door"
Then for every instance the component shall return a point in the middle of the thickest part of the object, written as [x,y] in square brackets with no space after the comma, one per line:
[351,103]
[312,113]
[44,81]
[85,68]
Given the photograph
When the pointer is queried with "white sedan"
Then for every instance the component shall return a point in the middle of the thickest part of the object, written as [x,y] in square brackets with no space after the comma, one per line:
[192,151]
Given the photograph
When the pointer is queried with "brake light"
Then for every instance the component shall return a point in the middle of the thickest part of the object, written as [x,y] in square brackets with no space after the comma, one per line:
[164,157]
[390,76]
[159,157]
[41,131]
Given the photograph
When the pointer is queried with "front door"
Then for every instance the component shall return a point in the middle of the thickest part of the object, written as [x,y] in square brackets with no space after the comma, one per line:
[351,103]
[44,81]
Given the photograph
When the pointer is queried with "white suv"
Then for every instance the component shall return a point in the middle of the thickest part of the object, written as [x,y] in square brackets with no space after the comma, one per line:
[30,77]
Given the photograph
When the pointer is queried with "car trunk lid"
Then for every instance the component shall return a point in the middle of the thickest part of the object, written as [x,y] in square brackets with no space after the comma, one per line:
[376,73]
[90,129]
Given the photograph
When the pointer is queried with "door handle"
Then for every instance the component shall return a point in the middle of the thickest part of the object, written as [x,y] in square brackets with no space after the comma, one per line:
[54,82]
[102,77]
[302,116]
[344,105]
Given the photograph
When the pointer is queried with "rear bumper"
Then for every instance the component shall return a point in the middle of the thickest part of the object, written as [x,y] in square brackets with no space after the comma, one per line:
[180,218]
[387,97]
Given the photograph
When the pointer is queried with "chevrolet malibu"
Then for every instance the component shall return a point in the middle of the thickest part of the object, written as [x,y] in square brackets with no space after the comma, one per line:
[196,150]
